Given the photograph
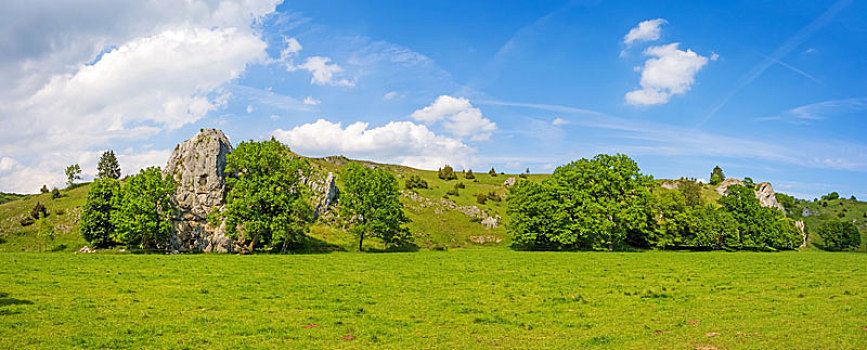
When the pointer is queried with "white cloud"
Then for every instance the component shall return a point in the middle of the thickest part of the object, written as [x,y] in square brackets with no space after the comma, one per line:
[161,65]
[459,117]
[322,69]
[311,101]
[645,31]
[250,109]
[389,95]
[275,117]
[668,72]
[559,122]
[402,142]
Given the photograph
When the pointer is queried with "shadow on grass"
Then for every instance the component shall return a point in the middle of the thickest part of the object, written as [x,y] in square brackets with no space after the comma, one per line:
[5,300]
[406,248]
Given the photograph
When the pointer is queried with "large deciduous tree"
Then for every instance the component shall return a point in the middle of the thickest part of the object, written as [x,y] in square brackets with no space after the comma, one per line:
[73,172]
[371,200]
[599,203]
[839,235]
[266,202]
[108,166]
[144,210]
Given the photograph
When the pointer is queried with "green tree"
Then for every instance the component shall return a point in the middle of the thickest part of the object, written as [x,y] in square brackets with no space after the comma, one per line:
[266,202]
[97,226]
[492,172]
[372,202]
[601,203]
[839,235]
[759,227]
[73,172]
[831,196]
[144,210]
[45,232]
[787,201]
[447,173]
[44,189]
[415,181]
[691,192]
[469,175]
[108,166]
[717,176]
[55,193]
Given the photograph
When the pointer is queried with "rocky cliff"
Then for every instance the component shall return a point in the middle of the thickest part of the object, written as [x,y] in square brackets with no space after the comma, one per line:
[764,192]
[198,165]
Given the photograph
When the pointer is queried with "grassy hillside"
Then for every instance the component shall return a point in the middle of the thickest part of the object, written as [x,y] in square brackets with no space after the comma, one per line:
[836,209]
[64,213]
[8,197]
[462,299]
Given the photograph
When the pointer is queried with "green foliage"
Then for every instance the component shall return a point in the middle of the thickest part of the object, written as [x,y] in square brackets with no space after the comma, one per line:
[55,193]
[831,196]
[415,181]
[691,191]
[447,173]
[266,203]
[748,182]
[372,202]
[453,192]
[759,227]
[44,189]
[839,235]
[600,203]
[97,226]
[39,210]
[144,209]
[45,232]
[481,198]
[523,176]
[108,166]
[469,175]
[492,172]
[787,201]
[73,172]
[460,185]
[26,221]
[717,176]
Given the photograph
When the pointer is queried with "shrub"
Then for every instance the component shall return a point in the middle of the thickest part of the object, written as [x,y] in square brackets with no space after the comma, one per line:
[37,210]
[523,176]
[831,196]
[481,198]
[494,196]
[27,221]
[460,185]
[824,204]
[493,172]
[415,181]
[453,192]
[717,176]
[469,175]
[55,193]
[841,214]
[44,189]
[839,235]
[447,173]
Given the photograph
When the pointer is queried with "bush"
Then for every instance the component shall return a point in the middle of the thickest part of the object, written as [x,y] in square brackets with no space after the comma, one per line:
[55,193]
[841,214]
[481,198]
[824,204]
[453,192]
[415,181]
[493,172]
[460,185]
[447,173]
[469,175]
[839,235]
[27,221]
[831,196]
[523,176]
[37,210]
[494,196]
[44,189]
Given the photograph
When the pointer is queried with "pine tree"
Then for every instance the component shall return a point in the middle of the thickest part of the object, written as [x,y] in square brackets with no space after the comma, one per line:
[108,166]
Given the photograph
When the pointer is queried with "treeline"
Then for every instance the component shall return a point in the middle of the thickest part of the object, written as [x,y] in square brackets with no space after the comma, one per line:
[267,206]
[606,203]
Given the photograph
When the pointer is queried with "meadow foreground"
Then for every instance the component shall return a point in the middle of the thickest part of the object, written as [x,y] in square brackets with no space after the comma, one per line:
[466,298]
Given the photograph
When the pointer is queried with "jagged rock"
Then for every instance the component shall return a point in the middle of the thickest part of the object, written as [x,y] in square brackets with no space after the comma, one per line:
[806,212]
[800,225]
[490,222]
[723,187]
[325,193]
[482,239]
[87,250]
[767,197]
[670,185]
[198,165]
[509,182]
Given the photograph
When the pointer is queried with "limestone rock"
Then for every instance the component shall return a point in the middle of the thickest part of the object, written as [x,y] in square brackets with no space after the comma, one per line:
[490,222]
[800,225]
[509,182]
[670,185]
[723,186]
[767,197]
[198,165]
[324,192]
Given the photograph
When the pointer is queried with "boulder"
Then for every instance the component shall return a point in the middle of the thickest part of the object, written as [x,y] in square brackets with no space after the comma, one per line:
[490,222]
[767,197]
[670,185]
[198,165]
[723,187]
[325,192]
[509,182]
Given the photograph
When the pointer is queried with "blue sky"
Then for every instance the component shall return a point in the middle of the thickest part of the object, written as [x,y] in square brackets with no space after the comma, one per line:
[776,91]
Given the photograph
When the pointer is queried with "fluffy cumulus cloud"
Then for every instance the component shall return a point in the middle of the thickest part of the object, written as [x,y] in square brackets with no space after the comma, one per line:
[669,71]
[648,30]
[401,142]
[458,117]
[115,71]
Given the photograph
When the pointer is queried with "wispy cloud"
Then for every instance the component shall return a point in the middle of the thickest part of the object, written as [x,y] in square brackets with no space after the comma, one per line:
[809,113]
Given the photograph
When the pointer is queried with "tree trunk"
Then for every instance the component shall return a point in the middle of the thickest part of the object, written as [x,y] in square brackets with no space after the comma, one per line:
[360,242]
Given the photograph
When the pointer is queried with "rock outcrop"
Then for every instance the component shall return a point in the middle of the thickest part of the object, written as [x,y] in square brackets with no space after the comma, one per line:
[198,165]
[764,192]
[324,193]
[509,182]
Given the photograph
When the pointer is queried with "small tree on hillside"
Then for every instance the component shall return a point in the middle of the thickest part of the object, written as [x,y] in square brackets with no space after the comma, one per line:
[717,176]
[372,202]
[492,172]
[447,173]
[73,172]
[144,210]
[839,235]
[469,175]
[44,189]
[97,226]
[108,166]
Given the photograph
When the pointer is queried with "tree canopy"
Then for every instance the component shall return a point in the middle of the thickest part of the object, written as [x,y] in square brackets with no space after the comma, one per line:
[73,172]
[717,176]
[108,166]
[266,202]
[97,226]
[371,200]
[144,210]
[839,235]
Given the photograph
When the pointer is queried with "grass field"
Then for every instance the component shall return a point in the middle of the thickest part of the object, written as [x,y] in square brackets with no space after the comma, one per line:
[464,298]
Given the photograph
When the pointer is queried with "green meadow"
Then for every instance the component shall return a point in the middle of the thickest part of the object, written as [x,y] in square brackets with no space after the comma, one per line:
[461,298]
